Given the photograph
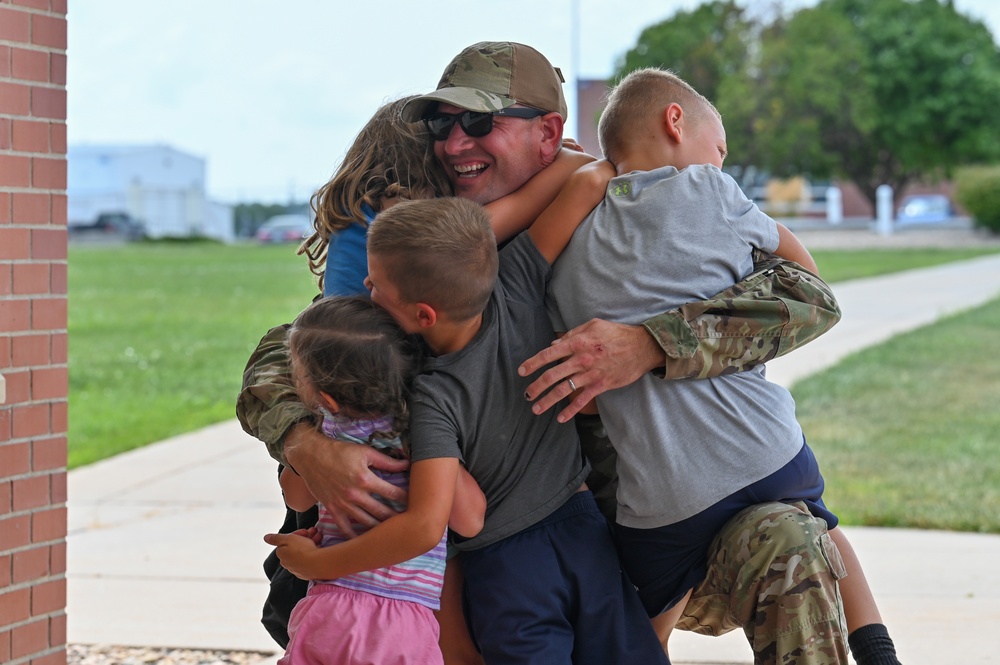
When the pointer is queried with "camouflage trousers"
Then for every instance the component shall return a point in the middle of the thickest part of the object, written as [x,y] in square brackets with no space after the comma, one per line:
[772,571]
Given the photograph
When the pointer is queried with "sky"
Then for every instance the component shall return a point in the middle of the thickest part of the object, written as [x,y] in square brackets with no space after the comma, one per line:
[271,94]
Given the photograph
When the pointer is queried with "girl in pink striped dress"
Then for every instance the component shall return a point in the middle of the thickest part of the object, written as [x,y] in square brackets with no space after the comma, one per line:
[352,363]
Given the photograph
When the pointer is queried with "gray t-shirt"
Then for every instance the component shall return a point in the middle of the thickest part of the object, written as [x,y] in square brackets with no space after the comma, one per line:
[471,405]
[661,239]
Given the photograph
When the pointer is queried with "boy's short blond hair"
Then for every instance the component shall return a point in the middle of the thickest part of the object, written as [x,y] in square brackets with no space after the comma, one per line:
[441,252]
[641,93]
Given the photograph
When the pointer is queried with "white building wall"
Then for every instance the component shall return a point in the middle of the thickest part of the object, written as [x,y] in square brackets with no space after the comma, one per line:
[220,222]
[158,185]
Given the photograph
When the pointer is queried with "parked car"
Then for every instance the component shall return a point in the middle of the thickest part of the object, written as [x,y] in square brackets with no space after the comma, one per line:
[924,208]
[285,228]
[109,227]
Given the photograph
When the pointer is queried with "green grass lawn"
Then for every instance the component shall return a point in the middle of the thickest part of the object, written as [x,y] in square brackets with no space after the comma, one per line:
[159,334]
[838,266]
[908,432]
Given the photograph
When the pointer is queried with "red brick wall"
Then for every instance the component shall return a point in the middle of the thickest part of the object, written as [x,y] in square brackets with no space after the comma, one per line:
[33,361]
[590,101]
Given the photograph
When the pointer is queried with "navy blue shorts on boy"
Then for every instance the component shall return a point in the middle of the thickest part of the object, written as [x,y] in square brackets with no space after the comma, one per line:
[555,593]
[666,562]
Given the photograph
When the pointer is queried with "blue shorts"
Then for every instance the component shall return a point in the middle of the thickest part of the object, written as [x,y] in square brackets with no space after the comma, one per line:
[555,593]
[666,562]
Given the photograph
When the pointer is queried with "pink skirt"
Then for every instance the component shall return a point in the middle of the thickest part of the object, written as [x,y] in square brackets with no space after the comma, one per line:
[337,626]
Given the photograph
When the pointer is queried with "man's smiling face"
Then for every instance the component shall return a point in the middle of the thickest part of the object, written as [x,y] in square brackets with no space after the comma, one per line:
[486,168]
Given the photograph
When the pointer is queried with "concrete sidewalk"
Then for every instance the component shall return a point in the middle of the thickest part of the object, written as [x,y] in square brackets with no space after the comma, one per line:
[165,542]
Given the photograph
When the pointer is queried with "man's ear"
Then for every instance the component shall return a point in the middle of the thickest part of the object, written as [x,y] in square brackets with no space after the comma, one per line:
[427,316]
[673,121]
[552,131]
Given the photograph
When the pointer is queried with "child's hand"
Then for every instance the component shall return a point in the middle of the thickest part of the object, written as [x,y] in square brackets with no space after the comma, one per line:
[295,551]
[312,533]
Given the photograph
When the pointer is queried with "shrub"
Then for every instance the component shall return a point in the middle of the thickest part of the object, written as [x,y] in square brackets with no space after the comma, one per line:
[977,188]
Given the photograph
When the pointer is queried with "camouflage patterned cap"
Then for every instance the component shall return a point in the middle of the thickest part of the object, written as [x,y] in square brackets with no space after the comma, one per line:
[490,76]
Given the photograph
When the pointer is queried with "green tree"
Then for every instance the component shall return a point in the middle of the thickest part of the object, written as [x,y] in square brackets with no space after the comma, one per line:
[871,91]
[807,102]
[879,91]
[703,46]
[977,188]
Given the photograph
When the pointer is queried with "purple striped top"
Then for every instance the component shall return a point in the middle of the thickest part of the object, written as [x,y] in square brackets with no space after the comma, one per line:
[418,580]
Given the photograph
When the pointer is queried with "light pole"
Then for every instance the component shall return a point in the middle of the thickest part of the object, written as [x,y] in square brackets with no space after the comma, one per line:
[574,57]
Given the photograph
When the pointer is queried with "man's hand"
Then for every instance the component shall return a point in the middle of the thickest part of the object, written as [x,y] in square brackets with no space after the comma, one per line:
[338,474]
[598,356]
[295,551]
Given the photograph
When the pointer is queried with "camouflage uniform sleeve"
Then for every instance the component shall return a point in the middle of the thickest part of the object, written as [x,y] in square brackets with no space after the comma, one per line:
[778,307]
[267,405]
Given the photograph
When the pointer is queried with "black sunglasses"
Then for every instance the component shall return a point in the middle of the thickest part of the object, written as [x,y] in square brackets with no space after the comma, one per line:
[473,123]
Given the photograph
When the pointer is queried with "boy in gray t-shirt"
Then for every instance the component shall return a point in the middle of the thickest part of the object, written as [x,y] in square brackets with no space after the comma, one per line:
[691,454]
[542,578]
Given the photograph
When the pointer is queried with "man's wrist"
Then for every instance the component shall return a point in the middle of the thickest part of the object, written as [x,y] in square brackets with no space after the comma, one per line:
[653,347]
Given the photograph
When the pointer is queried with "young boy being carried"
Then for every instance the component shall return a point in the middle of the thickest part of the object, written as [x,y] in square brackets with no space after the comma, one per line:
[542,579]
[691,454]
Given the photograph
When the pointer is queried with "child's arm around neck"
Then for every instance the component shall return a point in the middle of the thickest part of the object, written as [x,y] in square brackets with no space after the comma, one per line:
[515,212]
[583,191]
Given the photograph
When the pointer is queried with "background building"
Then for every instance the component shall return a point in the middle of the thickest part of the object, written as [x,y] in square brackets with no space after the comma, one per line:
[591,98]
[160,187]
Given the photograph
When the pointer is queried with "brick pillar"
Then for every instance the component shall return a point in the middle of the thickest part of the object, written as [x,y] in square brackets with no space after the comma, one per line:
[33,365]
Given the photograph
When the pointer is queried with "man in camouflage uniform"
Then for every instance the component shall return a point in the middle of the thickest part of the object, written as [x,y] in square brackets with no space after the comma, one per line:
[773,569]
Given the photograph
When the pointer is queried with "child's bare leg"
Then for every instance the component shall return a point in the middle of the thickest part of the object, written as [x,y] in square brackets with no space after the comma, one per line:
[867,636]
[859,603]
[664,623]
[456,644]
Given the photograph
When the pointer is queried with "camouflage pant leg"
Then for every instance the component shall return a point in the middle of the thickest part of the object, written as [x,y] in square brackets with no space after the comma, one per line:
[773,570]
